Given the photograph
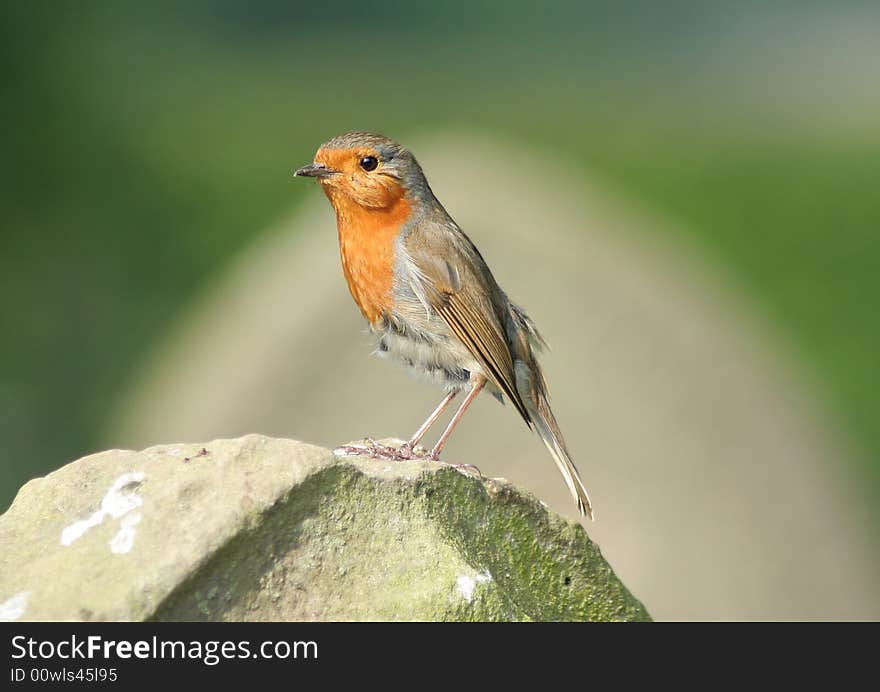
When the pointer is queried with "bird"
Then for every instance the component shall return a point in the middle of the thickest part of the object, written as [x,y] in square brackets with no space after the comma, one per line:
[428,295]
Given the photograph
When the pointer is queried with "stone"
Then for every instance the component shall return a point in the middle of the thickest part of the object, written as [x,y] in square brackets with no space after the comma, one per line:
[258,528]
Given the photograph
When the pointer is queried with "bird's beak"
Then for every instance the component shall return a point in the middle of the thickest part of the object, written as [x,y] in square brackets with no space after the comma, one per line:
[314,170]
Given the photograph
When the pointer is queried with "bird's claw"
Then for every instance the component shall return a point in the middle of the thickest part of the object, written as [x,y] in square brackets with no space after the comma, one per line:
[405,452]
[377,450]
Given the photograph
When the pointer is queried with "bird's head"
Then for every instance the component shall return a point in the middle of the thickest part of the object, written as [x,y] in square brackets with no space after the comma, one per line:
[365,169]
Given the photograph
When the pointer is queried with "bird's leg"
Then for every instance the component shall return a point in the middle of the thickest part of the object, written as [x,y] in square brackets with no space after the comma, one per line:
[477,388]
[406,451]
[420,433]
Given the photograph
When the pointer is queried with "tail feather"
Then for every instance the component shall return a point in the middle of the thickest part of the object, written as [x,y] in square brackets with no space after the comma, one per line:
[524,342]
[546,426]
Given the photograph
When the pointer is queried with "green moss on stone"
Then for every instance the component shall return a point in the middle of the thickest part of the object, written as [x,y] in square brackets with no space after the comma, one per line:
[343,545]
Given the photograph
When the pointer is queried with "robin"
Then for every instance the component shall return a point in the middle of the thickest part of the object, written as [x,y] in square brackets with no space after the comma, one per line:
[428,295]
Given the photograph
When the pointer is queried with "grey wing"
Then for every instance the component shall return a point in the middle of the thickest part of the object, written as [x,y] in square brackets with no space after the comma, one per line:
[456,284]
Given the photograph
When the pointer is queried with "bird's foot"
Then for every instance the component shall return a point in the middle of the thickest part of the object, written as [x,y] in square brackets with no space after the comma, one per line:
[405,452]
[377,450]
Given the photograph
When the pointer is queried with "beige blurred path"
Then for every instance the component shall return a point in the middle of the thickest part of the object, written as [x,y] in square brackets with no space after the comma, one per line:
[720,490]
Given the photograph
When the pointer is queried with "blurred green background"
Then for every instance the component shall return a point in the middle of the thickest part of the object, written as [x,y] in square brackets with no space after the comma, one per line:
[145,144]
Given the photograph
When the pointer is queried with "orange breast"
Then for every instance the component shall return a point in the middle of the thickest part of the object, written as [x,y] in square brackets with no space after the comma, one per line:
[366,243]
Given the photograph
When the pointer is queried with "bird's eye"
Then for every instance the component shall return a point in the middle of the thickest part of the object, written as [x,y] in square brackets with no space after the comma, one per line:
[369,163]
